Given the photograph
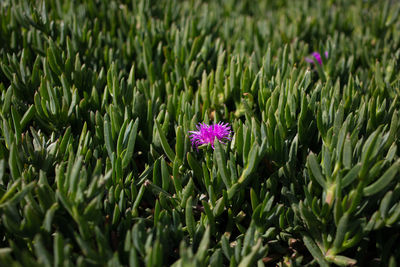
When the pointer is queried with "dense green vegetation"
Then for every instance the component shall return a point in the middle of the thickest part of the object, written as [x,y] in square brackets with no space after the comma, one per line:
[97,99]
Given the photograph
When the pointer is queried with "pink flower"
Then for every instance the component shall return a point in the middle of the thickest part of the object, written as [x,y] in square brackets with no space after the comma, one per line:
[317,57]
[206,134]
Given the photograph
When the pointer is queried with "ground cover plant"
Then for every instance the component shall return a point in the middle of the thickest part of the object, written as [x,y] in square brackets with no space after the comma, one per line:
[197,133]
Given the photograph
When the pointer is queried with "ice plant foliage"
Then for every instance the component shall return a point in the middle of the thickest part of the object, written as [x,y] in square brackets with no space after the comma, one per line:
[317,57]
[206,134]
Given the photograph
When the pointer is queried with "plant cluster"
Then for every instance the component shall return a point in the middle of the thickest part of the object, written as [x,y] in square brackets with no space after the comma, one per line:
[109,109]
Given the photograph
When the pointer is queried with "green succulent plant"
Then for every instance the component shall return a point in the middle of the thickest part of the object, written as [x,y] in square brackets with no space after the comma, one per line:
[98,101]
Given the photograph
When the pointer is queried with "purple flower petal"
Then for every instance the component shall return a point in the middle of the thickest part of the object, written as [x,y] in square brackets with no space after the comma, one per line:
[206,134]
[317,57]
[309,60]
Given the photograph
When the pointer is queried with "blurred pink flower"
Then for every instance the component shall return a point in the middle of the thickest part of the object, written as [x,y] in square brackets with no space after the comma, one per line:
[317,57]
